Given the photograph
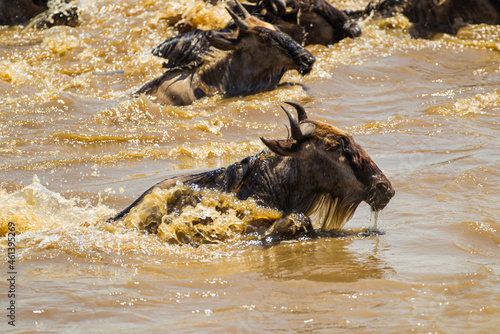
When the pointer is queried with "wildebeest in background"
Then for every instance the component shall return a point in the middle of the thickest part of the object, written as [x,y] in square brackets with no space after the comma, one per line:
[246,61]
[434,16]
[317,178]
[13,12]
[307,21]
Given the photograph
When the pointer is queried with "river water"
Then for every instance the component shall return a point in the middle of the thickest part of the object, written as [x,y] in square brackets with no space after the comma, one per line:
[75,149]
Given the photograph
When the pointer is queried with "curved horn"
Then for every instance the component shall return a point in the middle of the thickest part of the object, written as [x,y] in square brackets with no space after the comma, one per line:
[294,125]
[278,6]
[242,9]
[301,112]
[239,22]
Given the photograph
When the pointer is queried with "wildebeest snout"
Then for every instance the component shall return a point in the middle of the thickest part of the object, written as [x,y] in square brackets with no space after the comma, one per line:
[380,194]
[305,62]
[352,29]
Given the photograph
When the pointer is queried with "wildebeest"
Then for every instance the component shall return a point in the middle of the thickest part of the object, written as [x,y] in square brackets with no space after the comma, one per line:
[13,12]
[307,22]
[317,178]
[436,16]
[246,61]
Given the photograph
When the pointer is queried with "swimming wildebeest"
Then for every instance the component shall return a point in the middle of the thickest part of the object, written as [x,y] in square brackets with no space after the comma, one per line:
[317,178]
[307,22]
[14,12]
[246,61]
[435,16]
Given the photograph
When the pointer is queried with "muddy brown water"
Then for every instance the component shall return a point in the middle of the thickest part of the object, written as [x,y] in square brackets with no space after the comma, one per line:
[75,149]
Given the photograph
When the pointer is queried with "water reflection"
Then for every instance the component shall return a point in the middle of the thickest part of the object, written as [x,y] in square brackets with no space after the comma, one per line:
[341,259]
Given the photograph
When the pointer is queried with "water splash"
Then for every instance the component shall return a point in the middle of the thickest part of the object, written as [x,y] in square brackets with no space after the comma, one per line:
[35,208]
[191,215]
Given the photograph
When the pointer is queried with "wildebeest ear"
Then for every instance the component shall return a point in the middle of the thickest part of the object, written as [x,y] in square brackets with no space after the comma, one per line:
[282,147]
[222,41]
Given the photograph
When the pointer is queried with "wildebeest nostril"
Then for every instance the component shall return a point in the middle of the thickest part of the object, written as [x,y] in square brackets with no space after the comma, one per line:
[352,29]
[306,63]
[385,189]
[382,187]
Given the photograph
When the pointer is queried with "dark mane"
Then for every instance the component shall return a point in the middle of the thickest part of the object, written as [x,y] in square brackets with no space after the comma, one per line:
[182,50]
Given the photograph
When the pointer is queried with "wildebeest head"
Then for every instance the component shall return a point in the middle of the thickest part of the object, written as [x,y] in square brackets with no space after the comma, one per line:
[340,171]
[259,38]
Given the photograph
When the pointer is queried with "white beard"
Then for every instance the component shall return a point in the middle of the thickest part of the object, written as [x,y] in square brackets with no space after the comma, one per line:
[328,213]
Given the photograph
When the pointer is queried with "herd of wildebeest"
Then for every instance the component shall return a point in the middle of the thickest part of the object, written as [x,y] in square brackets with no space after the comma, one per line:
[316,177]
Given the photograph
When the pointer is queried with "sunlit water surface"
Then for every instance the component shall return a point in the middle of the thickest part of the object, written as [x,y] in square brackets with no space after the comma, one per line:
[75,149]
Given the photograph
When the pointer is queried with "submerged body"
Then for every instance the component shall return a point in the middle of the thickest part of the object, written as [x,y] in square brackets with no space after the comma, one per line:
[316,179]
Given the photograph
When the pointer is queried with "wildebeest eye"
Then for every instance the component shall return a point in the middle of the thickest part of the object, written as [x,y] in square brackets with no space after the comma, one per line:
[333,146]
[335,143]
